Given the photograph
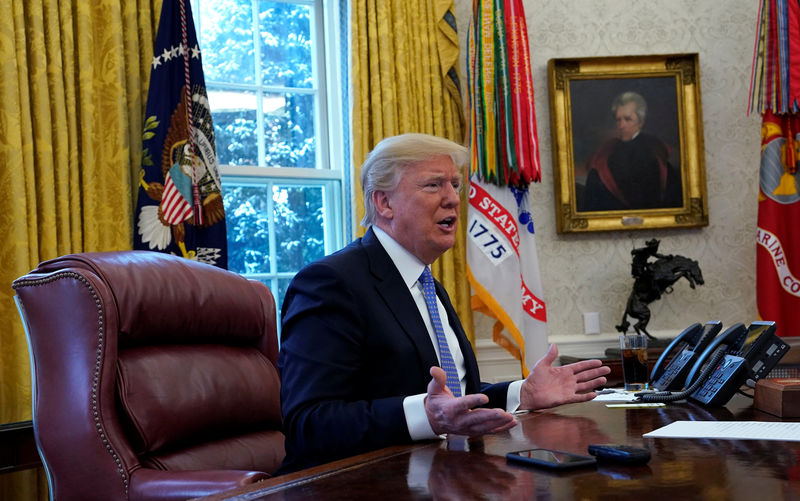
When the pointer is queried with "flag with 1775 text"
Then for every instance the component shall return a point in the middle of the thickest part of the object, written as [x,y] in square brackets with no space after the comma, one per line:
[502,262]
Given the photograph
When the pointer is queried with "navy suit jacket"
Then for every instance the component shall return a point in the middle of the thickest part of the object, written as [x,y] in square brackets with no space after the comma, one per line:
[353,346]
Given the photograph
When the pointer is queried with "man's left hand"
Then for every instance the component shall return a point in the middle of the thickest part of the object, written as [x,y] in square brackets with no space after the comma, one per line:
[548,386]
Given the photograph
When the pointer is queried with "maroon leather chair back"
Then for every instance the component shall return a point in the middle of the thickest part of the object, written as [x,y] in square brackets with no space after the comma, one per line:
[154,377]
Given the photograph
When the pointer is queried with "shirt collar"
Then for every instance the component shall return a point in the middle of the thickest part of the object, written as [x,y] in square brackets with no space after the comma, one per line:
[409,266]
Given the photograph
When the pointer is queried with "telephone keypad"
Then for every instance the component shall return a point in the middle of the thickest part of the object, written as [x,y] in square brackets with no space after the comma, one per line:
[676,367]
[715,389]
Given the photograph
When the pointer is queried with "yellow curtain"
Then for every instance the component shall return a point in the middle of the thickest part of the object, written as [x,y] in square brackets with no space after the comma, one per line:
[72,88]
[404,66]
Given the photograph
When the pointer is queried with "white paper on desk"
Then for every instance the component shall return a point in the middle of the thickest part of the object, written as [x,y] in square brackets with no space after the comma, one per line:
[616,396]
[737,430]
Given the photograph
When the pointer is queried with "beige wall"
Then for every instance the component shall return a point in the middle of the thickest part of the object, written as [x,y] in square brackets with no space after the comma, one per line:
[591,272]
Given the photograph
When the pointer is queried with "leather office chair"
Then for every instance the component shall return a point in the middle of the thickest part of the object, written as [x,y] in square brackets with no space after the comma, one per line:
[154,376]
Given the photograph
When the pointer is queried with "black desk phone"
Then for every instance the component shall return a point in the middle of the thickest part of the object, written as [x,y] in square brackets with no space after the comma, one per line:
[724,365]
[670,371]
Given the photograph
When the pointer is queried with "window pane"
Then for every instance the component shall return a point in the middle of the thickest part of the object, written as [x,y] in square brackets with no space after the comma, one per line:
[283,284]
[235,126]
[247,214]
[285,35]
[260,59]
[289,130]
[226,39]
[299,225]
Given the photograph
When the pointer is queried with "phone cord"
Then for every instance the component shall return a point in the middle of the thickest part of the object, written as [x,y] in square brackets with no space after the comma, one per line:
[667,396]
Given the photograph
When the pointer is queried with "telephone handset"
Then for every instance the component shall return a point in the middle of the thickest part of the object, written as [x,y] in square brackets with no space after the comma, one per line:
[731,337]
[672,367]
[733,357]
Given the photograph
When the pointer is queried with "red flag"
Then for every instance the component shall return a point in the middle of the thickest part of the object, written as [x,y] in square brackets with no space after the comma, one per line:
[793,35]
[775,92]
[778,250]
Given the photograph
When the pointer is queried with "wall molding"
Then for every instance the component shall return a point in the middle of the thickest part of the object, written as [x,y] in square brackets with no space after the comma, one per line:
[496,364]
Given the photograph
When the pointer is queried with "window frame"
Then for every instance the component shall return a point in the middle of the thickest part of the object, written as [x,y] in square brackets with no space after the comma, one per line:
[331,170]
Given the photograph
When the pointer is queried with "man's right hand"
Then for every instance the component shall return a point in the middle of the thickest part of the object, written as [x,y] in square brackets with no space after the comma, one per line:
[457,415]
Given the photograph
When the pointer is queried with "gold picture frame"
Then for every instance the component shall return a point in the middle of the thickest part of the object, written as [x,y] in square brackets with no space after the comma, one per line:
[603,181]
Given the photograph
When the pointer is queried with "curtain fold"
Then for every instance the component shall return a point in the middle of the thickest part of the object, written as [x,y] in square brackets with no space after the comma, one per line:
[73,80]
[404,59]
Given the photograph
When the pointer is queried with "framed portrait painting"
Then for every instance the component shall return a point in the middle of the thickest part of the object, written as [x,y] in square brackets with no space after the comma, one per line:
[627,143]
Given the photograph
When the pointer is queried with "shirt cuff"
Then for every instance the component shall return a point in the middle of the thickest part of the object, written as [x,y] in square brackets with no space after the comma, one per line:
[512,397]
[418,425]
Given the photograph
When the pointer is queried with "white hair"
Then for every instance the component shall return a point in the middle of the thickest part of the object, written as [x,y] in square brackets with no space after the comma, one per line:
[386,163]
[631,97]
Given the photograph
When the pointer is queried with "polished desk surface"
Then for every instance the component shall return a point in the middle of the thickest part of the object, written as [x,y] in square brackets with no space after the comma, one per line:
[459,469]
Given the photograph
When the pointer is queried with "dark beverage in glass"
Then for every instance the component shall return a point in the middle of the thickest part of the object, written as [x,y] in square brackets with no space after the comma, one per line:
[634,361]
[634,369]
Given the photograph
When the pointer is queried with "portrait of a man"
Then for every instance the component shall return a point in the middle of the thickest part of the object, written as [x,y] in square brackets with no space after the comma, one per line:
[626,145]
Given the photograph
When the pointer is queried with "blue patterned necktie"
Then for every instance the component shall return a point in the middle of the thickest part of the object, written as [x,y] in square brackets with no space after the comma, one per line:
[447,363]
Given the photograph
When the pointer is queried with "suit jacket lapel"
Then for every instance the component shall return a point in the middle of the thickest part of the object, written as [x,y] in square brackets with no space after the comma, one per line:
[390,286]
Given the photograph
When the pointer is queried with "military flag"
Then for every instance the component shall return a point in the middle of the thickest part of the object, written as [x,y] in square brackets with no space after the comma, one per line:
[179,208]
[775,93]
[502,263]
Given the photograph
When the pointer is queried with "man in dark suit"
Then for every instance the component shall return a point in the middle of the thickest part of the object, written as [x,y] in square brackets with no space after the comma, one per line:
[359,357]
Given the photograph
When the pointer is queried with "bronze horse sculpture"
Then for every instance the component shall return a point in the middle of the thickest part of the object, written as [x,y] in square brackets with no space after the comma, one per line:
[652,279]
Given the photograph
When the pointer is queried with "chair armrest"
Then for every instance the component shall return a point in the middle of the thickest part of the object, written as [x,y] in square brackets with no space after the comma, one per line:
[158,485]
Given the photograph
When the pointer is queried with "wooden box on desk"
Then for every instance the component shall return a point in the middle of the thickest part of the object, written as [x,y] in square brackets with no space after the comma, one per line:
[780,397]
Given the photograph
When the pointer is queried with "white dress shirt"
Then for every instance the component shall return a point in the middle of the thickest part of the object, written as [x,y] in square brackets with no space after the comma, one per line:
[410,268]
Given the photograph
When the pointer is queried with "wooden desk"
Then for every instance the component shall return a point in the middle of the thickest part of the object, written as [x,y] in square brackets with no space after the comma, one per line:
[18,447]
[477,469]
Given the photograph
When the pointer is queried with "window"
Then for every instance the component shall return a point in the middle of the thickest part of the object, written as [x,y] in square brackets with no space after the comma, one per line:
[272,75]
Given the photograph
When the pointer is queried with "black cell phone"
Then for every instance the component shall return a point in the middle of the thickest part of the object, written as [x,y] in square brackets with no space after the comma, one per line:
[621,454]
[549,458]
